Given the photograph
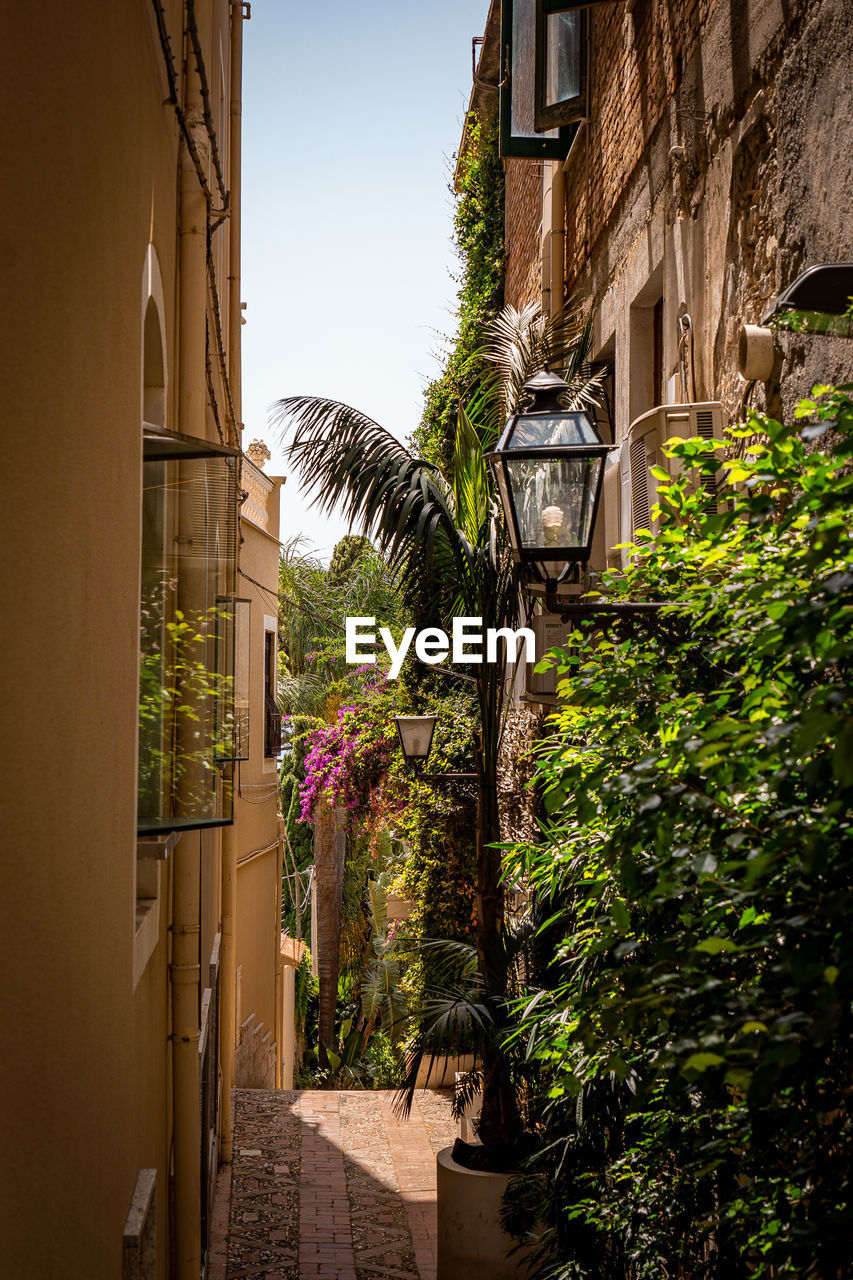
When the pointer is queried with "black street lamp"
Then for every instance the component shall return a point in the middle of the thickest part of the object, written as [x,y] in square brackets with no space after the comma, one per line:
[549,468]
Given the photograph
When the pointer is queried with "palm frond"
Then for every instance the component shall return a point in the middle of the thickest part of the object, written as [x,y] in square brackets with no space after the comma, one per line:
[471,487]
[343,457]
[520,343]
[302,695]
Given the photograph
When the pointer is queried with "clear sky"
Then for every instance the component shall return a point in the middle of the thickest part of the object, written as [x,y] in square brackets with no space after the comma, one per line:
[351,112]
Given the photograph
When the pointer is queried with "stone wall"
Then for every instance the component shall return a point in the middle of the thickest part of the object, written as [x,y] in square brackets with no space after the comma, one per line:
[254,1057]
[718,156]
[517,801]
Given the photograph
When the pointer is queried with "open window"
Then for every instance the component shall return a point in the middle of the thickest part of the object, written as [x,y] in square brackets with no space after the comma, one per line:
[189,622]
[560,65]
[272,716]
[543,81]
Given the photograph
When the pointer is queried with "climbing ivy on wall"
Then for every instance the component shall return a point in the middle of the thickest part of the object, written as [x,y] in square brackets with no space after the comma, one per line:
[478,234]
[299,843]
[696,1042]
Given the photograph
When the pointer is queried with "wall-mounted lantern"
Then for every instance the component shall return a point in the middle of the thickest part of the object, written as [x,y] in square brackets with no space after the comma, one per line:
[549,466]
[818,301]
[415,734]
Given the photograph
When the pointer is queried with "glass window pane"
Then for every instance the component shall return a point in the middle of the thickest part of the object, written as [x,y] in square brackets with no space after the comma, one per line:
[554,500]
[524,72]
[187,633]
[562,57]
[242,624]
[533,430]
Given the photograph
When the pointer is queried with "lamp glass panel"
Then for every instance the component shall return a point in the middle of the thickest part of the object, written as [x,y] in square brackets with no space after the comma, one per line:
[554,500]
[540,430]
[416,735]
[562,61]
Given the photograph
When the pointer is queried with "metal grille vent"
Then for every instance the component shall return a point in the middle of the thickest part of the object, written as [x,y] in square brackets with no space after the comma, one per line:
[640,484]
[705,431]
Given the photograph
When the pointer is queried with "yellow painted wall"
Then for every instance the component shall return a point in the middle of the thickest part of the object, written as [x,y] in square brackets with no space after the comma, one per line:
[257,935]
[258,918]
[89,157]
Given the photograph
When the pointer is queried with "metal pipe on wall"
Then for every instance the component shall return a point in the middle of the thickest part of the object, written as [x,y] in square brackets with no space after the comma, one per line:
[553,238]
[228,991]
[557,237]
[184,975]
[239,11]
[185,971]
[228,997]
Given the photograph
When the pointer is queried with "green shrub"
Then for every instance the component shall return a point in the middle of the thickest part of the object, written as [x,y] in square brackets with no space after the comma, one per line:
[696,1042]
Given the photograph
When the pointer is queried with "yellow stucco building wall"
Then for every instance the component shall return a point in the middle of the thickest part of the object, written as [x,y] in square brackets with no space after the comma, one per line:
[100,207]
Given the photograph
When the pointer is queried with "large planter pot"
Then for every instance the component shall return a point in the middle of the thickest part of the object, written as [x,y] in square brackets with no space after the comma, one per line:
[472,1244]
[442,1072]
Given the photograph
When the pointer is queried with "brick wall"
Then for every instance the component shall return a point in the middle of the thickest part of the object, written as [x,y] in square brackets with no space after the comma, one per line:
[523,218]
[636,66]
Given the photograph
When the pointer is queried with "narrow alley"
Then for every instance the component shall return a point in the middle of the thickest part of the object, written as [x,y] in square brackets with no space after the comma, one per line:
[329,1186]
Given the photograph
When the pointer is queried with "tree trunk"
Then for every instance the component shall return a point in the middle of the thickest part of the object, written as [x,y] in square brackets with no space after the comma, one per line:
[329,855]
[499,1120]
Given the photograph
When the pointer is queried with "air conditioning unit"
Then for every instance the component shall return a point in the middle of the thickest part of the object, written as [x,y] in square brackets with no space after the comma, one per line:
[646,439]
[611,502]
[550,632]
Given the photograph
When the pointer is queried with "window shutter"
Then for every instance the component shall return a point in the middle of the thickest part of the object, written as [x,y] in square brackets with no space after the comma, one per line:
[640,508]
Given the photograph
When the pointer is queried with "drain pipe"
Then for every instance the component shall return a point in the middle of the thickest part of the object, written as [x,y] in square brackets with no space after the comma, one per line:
[228,988]
[185,972]
[240,11]
[553,238]
[557,237]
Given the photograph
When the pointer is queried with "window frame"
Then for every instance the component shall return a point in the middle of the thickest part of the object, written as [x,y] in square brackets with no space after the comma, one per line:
[569,111]
[272,711]
[173,448]
[514,146]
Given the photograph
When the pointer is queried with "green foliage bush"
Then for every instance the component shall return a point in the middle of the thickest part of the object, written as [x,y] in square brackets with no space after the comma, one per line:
[299,841]
[478,227]
[696,1043]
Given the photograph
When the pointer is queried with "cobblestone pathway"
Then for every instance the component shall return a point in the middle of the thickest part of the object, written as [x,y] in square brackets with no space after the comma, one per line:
[329,1186]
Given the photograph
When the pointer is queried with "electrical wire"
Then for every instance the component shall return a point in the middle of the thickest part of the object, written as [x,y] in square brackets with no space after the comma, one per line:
[192,27]
[220,346]
[257,584]
[174,101]
[208,369]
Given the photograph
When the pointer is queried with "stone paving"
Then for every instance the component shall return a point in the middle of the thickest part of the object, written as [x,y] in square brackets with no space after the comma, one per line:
[329,1186]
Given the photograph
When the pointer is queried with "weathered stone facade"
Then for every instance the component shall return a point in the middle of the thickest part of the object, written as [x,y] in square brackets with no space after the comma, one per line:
[518,801]
[715,164]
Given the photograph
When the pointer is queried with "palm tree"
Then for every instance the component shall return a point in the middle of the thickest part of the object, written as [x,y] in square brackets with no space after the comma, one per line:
[430,527]
[313,603]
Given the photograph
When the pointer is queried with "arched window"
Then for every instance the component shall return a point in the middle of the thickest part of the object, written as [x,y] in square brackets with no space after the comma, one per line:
[154,371]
